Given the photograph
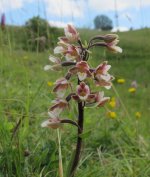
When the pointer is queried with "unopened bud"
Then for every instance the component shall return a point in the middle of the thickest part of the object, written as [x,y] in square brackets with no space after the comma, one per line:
[110,37]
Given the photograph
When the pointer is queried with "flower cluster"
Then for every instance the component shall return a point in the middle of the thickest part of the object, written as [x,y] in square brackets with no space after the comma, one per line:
[72,54]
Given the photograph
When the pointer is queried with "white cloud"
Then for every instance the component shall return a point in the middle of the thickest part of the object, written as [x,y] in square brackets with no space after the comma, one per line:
[120,28]
[108,5]
[12,4]
[76,8]
[59,23]
[65,8]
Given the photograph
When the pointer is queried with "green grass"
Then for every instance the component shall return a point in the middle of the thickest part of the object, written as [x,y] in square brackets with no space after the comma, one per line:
[112,147]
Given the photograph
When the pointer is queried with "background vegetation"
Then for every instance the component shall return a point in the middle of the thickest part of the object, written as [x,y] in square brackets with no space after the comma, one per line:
[113,147]
[103,22]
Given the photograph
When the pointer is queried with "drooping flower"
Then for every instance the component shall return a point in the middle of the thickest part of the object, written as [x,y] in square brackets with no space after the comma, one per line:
[120,81]
[102,77]
[111,46]
[100,99]
[57,64]
[70,52]
[103,83]
[96,100]
[132,90]
[53,123]
[57,108]
[73,53]
[82,69]
[101,72]
[61,86]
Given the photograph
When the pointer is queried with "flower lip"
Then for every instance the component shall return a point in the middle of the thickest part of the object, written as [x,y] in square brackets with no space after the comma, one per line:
[83,91]
[82,69]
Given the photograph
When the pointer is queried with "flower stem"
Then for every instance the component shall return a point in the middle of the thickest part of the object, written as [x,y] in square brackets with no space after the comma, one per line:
[79,139]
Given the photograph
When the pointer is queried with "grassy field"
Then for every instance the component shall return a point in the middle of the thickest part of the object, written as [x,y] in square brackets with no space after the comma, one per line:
[118,147]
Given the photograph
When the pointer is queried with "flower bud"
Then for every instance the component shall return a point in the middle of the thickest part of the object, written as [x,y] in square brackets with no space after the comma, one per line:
[110,37]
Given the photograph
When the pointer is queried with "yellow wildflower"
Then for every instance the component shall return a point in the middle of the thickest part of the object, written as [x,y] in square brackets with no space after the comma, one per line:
[132,90]
[49,83]
[121,81]
[137,115]
[112,103]
[112,114]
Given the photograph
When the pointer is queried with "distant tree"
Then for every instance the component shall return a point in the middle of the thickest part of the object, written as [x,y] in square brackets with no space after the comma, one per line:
[103,22]
[37,26]
[40,35]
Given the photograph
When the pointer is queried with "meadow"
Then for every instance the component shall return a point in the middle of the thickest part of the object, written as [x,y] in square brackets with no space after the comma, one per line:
[114,146]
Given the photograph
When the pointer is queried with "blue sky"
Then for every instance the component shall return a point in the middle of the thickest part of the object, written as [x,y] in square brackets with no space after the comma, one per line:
[131,13]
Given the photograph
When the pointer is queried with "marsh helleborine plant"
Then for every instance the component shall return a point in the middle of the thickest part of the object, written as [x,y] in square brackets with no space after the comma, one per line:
[71,53]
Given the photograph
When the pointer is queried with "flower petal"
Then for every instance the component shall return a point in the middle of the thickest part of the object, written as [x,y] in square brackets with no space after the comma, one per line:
[64,39]
[53,123]
[71,33]
[75,97]
[115,49]
[54,59]
[73,70]
[59,50]
[69,57]
[47,67]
